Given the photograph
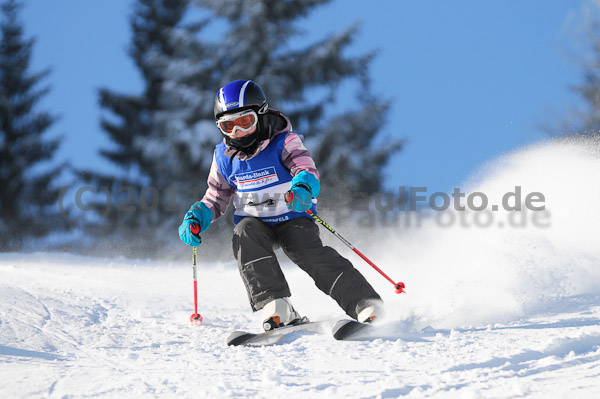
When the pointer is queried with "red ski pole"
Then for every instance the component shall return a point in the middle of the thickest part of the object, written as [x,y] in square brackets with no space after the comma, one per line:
[196,318]
[399,285]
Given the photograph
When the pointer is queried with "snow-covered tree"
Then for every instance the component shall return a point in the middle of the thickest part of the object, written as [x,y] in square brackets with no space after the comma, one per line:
[262,41]
[28,194]
[585,118]
[158,139]
[164,136]
[588,121]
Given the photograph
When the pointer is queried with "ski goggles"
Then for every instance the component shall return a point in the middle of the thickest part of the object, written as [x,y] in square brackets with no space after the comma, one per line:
[242,121]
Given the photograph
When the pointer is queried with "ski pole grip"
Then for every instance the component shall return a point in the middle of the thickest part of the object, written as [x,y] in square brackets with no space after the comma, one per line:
[288,196]
[195,228]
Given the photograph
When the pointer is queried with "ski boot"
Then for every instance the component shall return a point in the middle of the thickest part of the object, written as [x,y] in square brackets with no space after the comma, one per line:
[369,310]
[280,312]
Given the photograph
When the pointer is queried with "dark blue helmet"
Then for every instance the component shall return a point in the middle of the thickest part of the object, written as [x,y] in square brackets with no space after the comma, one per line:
[239,95]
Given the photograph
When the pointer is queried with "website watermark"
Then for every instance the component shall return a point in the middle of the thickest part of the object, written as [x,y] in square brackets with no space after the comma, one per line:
[416,207]
[412,206]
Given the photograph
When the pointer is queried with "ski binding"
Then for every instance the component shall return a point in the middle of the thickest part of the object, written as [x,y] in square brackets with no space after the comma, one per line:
[272,337]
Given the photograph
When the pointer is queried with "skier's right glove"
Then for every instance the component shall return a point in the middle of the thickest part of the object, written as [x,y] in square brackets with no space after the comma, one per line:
[195,222]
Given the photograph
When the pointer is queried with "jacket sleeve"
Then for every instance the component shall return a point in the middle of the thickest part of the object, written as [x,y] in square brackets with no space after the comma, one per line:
[296,157]
[219,192]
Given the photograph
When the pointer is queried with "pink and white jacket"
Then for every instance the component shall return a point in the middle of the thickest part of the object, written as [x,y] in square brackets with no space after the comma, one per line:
[292,154]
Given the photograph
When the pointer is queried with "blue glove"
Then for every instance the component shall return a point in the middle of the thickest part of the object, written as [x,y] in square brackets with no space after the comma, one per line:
[195,222]
[305,187]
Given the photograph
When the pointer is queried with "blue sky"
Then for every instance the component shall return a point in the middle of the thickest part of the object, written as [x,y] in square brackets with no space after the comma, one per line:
[469,80]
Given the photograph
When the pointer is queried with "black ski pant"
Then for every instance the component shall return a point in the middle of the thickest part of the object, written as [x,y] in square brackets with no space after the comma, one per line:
[254,243]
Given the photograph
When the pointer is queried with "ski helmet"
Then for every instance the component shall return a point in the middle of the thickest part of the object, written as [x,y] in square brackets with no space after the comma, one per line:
[239,95]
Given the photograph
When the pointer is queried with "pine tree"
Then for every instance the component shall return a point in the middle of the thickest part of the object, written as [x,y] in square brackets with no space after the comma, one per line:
[157,140]
[304,82]
[165,136]
[27,198]
[588,122]
[584,121]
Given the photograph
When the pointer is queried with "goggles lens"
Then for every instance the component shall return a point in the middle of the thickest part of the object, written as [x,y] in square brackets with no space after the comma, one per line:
[243,121]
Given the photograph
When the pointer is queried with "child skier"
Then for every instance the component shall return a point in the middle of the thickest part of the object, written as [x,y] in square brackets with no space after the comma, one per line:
[259,160]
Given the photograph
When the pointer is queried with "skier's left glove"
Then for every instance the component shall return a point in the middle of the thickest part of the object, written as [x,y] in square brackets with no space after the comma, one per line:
[305,187]
[195,222]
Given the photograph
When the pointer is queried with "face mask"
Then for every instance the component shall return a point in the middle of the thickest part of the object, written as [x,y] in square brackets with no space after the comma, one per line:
[247,144]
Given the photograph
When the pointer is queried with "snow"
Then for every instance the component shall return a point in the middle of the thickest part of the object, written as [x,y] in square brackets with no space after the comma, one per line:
[490,312]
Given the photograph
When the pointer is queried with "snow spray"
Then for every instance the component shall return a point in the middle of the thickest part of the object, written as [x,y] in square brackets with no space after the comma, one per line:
[464,274]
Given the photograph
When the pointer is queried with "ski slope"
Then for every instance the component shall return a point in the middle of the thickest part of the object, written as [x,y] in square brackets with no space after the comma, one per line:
[495,312]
